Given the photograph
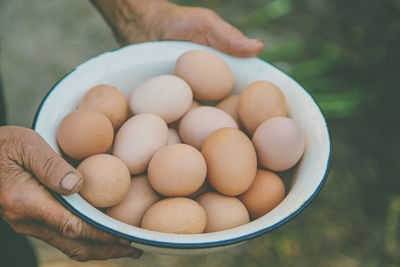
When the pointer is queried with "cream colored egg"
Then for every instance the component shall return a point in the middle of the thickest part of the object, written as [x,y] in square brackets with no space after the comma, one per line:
[177,170]
[223,212]
[139,139]
[139,198]
[208,75]
[175,124]
[108,100]
[173,137]
[200,122]
[279,143]
[258,102]
[166,95]
[106,180]
[85,132]
[266,192]
[177,215]
[231,161]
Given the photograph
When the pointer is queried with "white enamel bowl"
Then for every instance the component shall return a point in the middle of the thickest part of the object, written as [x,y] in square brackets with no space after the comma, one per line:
[126,68]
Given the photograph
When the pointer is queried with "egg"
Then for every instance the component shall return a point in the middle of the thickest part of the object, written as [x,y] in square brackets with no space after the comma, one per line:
[208,75]
[85,132]
[279,143]
[139,198]
[223,212]
[260,101]
[231,161]
[166,95]
[175,124]
[108,100]
[177,170]
[139,139]
[177,215]
[106,180]
[173,137]
[266,192]
[230,105]
[200,122]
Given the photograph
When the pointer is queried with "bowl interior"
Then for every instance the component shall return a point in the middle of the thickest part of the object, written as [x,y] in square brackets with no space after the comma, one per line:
[126,68]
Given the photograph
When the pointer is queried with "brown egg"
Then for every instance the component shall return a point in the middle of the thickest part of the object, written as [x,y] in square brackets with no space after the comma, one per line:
[223,212]
[279,143]
[177,170]
[108,100]
[258,102]
[139,198]
[175,124]
[106,180]
[207,74]
[266,192]
[177,215]
[200,122]
[85,132]
[139,139]
[231,161]
[230,105]
[173,137]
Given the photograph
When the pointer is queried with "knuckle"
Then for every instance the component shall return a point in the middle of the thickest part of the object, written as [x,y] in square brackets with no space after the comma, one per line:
[26,137]
[203,25]
[11,215]
[21,229]
[204,19]
[8,209]
[71,227]
[210,15]
[78,253]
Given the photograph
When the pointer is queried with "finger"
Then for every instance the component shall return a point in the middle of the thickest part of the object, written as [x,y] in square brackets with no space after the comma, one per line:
[40,205]
[81,250]
[230,40]
[56,216]
[47,166]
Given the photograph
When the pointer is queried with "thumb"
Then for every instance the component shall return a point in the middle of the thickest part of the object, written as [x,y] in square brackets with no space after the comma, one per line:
[46,165]
[230,40]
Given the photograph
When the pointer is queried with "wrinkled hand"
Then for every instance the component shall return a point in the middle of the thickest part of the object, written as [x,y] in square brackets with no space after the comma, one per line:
[27,166]
[135,21]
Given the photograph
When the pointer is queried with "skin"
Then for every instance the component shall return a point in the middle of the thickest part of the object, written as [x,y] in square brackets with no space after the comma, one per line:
[30,169]
[135,21]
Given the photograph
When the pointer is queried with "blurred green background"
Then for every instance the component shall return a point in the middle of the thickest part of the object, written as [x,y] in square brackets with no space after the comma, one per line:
[346,55]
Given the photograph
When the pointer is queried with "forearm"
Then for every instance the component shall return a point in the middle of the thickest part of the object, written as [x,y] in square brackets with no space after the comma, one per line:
[128,15]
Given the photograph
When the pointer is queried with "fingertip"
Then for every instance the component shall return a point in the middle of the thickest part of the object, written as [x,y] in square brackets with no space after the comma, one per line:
[136,254]
[260,45]
[246,47]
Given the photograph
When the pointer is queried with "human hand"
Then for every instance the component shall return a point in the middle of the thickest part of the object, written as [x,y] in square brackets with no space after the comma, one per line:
[27,166]
[135,21]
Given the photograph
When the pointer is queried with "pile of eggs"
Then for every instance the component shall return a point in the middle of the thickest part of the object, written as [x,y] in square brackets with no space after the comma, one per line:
[160,160]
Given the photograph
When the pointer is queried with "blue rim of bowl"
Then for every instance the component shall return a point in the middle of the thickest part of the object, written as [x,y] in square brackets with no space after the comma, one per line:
[221,243]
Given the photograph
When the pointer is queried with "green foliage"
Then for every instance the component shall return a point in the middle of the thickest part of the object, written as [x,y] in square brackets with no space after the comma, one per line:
[346,55]
[268,12]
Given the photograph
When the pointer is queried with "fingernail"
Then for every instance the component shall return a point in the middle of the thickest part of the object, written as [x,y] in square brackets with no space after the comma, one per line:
[257,40]
[70,181]
[136,254]
[123,241]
